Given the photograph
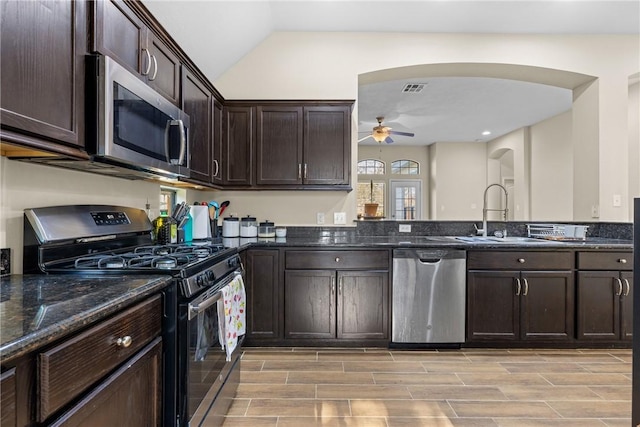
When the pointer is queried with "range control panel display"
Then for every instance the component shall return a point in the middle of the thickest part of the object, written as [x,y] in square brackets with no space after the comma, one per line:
[110,218]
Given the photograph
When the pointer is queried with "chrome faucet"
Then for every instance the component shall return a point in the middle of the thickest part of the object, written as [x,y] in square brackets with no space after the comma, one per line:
[485,210]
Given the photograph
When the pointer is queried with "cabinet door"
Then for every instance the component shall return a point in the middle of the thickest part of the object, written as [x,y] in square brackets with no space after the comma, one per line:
[8,398]
[120,34]
[42,62]
[279,145]
[547,305]
[309,304]
[626,307]
[239,129]
[129,397]
[327,145]
[263,293]
[217,145]
[492,306]
[164,75]
[363,302]
[197,103]
[598,305]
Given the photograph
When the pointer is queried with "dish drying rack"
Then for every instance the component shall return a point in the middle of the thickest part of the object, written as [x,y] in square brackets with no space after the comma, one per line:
[558,231]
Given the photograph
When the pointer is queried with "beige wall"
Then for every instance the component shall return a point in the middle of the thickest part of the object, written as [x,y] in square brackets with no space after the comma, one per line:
[458,180]
[552,169]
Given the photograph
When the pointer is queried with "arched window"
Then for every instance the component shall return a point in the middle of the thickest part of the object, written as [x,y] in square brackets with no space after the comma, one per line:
[405,167]
[370,167]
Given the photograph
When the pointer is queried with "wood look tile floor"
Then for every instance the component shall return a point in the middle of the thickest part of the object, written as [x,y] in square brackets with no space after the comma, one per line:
[400,388]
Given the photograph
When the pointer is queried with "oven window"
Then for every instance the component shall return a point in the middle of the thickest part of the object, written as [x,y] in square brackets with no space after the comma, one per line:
[138,125]
[206,359]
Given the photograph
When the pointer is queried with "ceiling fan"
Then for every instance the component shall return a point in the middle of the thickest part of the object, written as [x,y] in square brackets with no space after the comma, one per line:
[381,133]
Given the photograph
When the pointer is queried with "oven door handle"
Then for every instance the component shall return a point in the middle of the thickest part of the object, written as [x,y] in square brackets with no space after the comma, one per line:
[199,308]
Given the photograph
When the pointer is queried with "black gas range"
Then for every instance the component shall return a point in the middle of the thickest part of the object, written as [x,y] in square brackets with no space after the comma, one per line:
[115,240]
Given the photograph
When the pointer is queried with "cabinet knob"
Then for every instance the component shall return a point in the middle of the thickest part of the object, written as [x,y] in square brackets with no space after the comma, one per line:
[622,261]
[521,260]
[124,341]
[337,259]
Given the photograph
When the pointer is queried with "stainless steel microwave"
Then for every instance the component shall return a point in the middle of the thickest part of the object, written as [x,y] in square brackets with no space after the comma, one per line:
[130,125]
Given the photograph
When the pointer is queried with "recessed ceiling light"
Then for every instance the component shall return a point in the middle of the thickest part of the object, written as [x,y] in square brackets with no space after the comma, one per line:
[486,132]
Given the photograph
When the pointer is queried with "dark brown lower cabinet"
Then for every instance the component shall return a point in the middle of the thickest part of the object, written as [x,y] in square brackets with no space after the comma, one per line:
[520,305]
[8,413]
[605,296]
[129,397]
[262,290]
[329,304]
[512,305]
[605,305]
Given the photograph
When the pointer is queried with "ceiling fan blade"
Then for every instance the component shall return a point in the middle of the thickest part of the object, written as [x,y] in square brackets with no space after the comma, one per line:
[395,132]
[388,140]
[368,136]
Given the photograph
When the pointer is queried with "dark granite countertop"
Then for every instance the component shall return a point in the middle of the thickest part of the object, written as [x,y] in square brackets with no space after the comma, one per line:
[347,239]
[38,309]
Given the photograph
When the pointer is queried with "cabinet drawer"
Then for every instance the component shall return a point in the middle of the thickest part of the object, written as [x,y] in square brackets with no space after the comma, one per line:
[520,260]
[73,366]
[605,260]
[335,260]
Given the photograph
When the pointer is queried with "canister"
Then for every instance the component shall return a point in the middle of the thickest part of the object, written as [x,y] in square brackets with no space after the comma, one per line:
[230,227]
[267,229]
[248,227]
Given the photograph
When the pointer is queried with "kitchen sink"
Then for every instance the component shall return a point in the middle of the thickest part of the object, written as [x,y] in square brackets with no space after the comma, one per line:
[492,239]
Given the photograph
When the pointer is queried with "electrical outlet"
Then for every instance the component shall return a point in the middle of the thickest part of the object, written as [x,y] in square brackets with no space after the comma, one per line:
[617,200]
[5,262]
[340,218]
[404,228]
[320,218]
[595,211]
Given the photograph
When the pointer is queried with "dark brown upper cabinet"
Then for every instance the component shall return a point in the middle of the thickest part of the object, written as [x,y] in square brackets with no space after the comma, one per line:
[42,67]
[279,148]
[123,35]
[238,136]
[303,145]
[197,102]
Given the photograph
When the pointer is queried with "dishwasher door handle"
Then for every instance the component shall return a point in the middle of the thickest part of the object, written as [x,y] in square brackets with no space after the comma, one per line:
[430,260]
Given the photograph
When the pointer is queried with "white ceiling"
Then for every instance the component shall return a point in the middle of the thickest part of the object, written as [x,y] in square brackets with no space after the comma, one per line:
[218,33]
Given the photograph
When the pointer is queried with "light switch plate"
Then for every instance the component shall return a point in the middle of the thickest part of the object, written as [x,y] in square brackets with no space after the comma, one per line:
[340,218]
[320,218]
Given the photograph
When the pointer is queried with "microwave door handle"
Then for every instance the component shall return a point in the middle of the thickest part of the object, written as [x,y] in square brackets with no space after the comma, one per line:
[183,141]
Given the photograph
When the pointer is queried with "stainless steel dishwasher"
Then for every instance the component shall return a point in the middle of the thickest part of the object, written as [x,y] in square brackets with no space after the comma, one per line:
[428,296]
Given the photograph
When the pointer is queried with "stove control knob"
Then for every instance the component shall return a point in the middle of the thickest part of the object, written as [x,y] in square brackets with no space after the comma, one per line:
[211,276]
[233,262]
[200,280]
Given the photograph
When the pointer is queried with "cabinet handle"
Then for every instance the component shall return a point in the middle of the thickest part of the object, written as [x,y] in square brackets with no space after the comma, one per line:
[155,68]
[628,286]
[340,287]
[217,165]
[521,260]
[622,261]
[337,259]
[124,341]
[305,171]
[619,292]
[526,287]
[146,52]
[333,286]
[519,288]
[299,170]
